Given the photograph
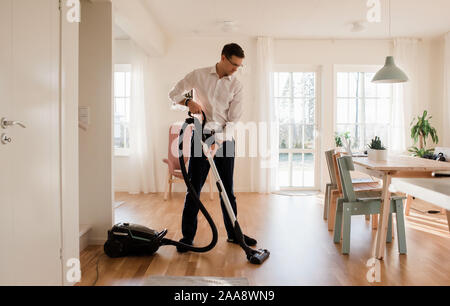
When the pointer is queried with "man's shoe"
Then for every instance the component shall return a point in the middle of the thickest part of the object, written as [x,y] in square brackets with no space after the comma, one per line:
[182,249]
[248,241]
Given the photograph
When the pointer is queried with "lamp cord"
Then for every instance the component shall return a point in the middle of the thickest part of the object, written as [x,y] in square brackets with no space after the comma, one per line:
[390,19]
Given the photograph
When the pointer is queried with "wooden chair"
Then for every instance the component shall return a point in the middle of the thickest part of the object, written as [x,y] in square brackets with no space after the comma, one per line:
[351,205]
[362,189]
[330,186]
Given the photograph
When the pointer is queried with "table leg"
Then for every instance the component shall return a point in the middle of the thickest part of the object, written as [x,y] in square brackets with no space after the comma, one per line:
[383,220]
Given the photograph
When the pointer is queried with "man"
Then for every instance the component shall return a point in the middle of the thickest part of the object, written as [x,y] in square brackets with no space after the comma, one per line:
[219,94]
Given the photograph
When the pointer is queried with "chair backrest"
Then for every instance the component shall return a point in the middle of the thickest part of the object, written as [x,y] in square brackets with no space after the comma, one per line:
[330,165]
[345,165]
[173,155]
[336,171]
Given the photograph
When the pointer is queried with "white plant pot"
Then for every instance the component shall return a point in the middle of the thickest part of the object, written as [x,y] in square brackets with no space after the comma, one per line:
[377,155]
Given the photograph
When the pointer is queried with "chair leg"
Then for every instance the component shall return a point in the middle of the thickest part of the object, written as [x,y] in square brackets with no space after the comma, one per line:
[170,185]
[338,221]
[168,179]
[375,221]
[326,202]
[332,209]
[346,228]
[408,205]
[367,217]
[401,236]
[389,231]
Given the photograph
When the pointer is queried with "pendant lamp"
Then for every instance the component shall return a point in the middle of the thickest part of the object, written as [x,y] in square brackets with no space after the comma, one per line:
[390,73]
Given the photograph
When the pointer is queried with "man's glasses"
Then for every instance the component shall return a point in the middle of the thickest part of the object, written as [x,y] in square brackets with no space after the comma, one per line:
[235,65]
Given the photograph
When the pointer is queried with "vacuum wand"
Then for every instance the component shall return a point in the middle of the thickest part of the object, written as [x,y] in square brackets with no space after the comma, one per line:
[254,256]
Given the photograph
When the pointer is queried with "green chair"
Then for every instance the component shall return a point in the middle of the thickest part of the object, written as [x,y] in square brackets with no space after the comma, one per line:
[330,186]
[350,205]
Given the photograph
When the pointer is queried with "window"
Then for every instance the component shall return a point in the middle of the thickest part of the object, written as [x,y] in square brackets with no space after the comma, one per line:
[363,108]
[122,97]
[295,99]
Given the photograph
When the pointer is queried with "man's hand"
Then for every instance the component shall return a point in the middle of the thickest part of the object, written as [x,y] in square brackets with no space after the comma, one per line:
[194,107]
[213,150]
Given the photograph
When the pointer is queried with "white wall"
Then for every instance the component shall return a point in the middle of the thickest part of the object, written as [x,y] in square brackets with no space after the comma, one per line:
[95,144]
[186,54]
[436,86]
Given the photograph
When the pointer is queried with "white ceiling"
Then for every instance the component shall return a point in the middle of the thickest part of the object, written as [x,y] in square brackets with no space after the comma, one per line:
[299,18]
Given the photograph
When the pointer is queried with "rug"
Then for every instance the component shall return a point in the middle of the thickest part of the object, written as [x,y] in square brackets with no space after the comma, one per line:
[195,281]
[295,193]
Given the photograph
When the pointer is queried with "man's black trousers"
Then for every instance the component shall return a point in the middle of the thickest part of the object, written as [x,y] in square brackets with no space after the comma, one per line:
[198,172]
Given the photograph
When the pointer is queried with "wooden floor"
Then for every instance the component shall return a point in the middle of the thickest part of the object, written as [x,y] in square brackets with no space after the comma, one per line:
[292,228]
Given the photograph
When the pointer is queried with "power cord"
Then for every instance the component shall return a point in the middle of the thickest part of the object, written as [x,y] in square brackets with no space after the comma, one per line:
[96,268]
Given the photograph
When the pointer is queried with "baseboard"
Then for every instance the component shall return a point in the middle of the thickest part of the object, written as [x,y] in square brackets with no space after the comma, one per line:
[84,236]
[97,241]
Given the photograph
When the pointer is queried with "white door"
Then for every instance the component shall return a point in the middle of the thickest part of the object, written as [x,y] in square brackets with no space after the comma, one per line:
[30,212]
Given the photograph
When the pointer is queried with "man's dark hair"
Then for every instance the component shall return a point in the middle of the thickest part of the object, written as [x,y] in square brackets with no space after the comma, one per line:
[233,49]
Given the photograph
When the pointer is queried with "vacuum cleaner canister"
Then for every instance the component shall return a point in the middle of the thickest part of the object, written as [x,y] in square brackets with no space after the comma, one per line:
[131,239]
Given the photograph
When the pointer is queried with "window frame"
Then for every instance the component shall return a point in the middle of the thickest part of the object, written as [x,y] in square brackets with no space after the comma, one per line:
[121,152]
[353,69]
[317,69]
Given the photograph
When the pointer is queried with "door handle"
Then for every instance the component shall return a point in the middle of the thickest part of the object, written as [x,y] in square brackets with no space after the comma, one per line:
[5,123]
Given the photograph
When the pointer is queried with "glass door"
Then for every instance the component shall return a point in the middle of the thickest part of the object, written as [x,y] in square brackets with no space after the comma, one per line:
[295,96]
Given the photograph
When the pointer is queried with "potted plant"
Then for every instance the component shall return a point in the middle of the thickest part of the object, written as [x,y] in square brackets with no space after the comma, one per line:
[337,140]
[376,151]
[420,132]
[342,141]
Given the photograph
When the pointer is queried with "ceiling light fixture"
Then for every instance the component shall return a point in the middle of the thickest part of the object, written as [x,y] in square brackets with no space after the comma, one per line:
[358,26]
[229,26]
[390,73]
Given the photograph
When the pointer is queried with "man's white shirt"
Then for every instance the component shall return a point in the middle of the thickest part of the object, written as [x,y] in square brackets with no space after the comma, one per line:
[221,99]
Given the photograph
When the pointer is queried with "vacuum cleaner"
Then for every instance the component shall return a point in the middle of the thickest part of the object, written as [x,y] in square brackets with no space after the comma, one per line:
[131,239]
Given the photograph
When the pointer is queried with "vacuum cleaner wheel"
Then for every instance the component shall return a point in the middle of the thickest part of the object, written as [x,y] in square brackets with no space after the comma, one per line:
[114,248]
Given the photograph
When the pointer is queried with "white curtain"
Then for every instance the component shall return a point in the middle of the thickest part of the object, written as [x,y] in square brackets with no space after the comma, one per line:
[406,95]
[446,116]
[264,168]
[141,170]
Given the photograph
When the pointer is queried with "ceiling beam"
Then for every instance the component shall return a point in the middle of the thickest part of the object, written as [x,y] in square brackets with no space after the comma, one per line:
[134,19]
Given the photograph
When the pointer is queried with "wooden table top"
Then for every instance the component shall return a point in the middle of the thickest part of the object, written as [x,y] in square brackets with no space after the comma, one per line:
[403,163]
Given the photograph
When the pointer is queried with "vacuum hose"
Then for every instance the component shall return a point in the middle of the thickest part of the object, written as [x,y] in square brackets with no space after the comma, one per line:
[192,192]
[254,256]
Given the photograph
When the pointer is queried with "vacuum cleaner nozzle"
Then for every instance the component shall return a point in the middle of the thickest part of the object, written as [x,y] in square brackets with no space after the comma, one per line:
[258,256]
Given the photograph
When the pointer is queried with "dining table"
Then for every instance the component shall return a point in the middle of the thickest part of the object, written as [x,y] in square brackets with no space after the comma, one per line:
[395,166]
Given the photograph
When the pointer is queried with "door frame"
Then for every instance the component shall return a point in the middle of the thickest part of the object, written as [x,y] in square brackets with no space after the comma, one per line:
[69,143]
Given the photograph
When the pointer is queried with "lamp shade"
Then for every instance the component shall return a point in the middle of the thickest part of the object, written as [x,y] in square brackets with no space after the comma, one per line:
[390,73]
